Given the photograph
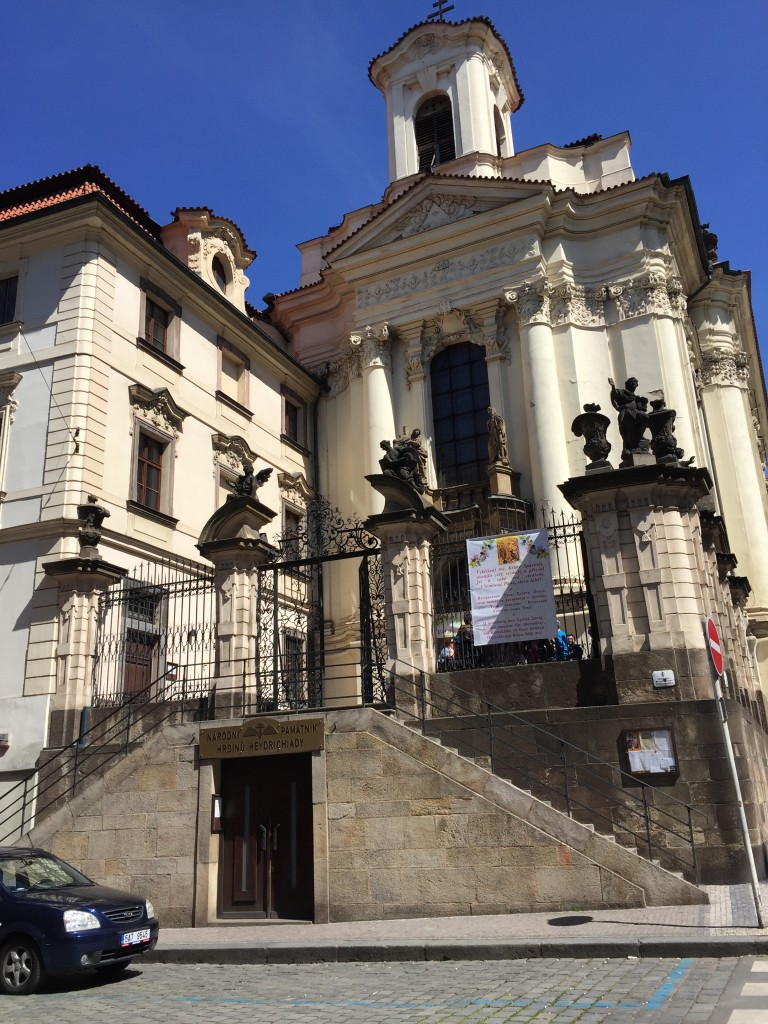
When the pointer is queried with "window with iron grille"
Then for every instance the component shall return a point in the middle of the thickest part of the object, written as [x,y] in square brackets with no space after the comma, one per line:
[149,471]
[433,126]
[293,667]
[8,288]
[460,400]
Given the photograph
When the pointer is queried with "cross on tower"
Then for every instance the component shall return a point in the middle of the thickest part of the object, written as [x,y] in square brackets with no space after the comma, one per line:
[441,8]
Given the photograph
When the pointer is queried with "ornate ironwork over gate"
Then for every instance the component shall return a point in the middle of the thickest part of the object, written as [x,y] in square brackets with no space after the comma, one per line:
[321,632]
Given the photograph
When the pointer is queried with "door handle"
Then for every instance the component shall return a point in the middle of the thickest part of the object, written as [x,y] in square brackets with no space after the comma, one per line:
[263,837]
[274,836]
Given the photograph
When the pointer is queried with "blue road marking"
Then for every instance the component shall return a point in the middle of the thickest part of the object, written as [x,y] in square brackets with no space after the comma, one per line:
[654,1002]
[662,993]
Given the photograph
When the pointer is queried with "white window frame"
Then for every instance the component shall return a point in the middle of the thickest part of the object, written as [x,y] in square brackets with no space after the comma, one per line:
[226,350]
[173,334]
[291,399]
[168,441]
[9,380]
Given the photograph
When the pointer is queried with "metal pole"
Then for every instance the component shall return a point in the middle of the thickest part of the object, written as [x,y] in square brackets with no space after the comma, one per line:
[490,737]
[647,822]
[564,754]
[761,919]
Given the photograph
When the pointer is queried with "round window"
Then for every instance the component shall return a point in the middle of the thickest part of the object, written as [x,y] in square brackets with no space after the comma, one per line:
[219,273]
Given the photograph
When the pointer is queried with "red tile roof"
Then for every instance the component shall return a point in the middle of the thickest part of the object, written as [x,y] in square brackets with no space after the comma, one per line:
[56,189]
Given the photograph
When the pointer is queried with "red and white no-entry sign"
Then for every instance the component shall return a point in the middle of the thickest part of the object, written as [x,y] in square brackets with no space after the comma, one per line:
[713,639]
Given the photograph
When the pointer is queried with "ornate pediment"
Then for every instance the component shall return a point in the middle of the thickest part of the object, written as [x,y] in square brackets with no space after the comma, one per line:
[233,450]
[294,488]
[157,407]
[433,212]
[430,205]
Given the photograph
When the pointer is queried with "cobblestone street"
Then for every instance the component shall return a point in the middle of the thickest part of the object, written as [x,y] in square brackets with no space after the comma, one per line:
[651,991]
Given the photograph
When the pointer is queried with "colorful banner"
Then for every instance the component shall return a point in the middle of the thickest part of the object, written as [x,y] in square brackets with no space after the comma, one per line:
[510,584]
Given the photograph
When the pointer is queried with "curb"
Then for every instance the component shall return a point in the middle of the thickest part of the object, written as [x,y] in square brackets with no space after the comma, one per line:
[382,952]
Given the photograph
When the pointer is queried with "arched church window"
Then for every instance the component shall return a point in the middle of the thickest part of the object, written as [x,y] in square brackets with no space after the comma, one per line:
[433,125]
[460,400]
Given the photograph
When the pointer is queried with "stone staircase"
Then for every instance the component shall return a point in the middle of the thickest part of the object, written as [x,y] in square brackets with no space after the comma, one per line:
[598,811]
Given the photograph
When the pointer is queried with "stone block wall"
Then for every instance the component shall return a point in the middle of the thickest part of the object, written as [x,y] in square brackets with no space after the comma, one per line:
[134,827]
[403,827]
[532,759]
[414,830]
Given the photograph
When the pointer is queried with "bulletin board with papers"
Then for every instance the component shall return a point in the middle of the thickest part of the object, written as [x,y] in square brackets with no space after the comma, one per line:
[650,751]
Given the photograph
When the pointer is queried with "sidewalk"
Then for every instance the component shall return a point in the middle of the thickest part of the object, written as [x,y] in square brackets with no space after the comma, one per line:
[727,927]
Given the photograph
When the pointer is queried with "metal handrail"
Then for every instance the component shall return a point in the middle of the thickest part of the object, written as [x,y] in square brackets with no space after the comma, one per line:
[587,769]
[115,730]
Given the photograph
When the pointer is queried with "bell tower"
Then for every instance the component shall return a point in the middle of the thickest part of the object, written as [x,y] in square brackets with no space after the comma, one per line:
[450,90]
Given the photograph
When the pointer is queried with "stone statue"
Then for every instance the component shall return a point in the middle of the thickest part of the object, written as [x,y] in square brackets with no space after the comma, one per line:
[633,418]
[405,459]
[592,425]
[91,516]
[497,439]
[247,483]
[663,440]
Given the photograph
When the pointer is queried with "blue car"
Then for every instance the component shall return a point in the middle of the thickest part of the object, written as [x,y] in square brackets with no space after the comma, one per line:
[54,920]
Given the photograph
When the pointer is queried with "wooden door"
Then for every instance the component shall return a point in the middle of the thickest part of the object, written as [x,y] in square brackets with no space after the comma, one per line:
[266,861]
[137,667]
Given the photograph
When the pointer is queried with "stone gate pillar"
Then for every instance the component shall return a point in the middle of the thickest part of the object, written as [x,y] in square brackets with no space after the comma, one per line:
[649,575]
[233,539]
[406,528]
[82,583]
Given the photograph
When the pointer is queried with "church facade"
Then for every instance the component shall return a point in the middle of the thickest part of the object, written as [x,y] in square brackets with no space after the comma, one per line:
[232,604]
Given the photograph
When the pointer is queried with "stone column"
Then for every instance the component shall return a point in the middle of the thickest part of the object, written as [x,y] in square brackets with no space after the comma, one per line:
[82,583]
[406,528]
[378,414]
[549,456]
[233,539]
[642,534]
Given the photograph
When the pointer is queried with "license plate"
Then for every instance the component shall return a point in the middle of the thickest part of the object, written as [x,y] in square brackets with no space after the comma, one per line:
[133,938]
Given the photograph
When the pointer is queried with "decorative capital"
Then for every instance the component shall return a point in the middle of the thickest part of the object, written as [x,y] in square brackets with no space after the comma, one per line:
[725,370]
[533,303]
[653,293]
[373,345]
[575,304]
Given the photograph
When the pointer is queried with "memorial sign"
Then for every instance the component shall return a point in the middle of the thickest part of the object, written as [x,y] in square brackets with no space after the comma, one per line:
[258,737]
[510,584]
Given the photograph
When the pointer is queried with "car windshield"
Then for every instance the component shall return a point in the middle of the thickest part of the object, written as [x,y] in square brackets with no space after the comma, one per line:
[22,872]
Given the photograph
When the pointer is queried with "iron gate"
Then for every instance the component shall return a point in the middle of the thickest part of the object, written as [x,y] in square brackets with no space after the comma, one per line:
[450,588]
[309,652]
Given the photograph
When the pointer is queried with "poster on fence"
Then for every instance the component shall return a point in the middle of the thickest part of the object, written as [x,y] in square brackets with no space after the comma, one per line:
[510,586]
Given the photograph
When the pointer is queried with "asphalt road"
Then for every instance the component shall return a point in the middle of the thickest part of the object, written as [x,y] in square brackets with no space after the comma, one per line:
[646,991]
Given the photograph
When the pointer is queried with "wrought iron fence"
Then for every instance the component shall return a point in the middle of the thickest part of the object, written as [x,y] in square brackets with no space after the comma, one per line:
[451,596]
[157,623]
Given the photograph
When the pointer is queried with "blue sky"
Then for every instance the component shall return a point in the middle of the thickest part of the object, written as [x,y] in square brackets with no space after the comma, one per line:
[264,111]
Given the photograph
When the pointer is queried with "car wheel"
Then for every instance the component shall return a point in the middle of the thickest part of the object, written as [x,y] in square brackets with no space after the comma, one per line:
[20,967]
